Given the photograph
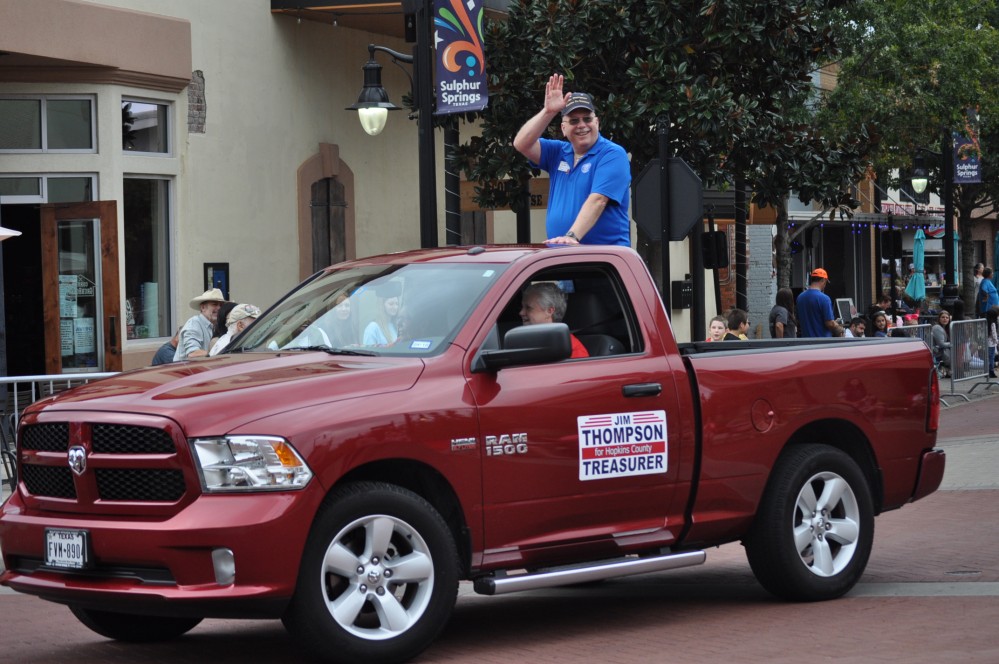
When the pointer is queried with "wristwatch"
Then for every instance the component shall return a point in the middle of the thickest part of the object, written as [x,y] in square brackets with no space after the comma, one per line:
[572,235]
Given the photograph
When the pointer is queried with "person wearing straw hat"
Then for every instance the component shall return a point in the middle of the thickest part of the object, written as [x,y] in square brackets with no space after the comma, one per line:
[196,335]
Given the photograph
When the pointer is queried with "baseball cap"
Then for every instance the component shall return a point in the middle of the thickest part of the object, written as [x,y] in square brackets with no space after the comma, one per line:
[578,100]
[821,273]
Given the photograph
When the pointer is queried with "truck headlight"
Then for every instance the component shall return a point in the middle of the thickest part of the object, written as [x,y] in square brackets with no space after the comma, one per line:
[249,463]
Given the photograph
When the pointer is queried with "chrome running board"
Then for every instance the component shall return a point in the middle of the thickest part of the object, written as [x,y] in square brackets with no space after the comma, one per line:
[608,569]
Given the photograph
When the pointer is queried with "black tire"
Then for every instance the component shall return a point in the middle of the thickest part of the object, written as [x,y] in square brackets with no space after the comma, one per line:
[379,576]
[134,628]
[802,554]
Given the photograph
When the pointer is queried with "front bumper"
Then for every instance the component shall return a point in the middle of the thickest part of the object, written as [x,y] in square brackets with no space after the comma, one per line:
[165,566]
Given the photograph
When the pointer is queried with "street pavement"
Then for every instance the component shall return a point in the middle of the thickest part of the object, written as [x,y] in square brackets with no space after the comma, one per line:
[930,594]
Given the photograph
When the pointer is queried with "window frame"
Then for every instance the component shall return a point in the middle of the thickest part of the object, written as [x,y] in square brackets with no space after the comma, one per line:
[43,197]
[168,238]
[43,99]
[167,125]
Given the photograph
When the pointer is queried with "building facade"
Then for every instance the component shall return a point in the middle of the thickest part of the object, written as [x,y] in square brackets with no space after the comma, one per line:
[150,150]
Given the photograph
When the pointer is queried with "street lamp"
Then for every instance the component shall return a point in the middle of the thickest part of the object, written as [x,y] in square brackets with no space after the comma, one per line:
[373,106]
[373,103]
[919,176]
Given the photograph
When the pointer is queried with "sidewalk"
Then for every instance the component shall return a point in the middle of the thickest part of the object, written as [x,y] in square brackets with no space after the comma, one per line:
[972,389]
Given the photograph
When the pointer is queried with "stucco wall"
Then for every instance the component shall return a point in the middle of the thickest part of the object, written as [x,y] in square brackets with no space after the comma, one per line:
[275,88]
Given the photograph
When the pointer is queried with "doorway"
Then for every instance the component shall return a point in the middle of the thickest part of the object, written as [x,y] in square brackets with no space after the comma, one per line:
[22,284]
[61,289]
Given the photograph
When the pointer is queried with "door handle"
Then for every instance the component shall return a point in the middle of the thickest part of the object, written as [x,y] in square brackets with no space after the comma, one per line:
[642,390]
[113,334]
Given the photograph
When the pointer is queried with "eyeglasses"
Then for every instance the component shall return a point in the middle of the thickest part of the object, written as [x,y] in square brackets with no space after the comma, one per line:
[586,119]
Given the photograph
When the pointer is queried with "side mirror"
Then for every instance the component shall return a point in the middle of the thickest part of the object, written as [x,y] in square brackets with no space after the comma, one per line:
[527,344]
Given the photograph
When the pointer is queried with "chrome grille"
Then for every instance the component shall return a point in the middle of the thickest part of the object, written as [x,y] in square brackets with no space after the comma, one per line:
[121,439]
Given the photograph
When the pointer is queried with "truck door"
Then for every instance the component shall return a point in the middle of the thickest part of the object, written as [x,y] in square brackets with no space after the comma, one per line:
[579,451]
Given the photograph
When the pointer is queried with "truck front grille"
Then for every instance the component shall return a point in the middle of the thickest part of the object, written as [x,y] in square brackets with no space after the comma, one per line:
[120,439]
[45,437]
[121,463]
[139,484]
[50,481]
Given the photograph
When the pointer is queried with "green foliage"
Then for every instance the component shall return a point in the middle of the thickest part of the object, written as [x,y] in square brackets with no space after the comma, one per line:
[733,76]
[911,69]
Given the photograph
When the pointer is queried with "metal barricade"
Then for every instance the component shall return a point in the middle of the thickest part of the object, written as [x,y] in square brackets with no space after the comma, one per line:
[915,331]
[20,392]
[969,355]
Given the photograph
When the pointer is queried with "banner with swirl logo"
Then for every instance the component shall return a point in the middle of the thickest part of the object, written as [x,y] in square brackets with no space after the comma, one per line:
[461,64]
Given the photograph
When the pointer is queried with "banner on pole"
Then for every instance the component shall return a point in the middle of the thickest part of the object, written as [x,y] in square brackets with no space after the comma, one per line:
[968,151]
[461,66]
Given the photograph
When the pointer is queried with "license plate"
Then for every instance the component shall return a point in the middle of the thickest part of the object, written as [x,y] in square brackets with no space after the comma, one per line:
[66,548]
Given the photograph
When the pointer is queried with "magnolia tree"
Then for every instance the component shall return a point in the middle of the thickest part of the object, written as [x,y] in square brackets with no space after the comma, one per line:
[734,78]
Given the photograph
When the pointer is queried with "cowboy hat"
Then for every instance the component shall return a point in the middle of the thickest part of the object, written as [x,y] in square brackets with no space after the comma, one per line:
[210,295]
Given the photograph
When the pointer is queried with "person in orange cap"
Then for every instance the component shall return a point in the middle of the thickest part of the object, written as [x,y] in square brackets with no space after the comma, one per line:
[815,309]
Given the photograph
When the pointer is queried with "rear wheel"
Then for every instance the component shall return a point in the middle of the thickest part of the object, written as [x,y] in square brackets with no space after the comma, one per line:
[133,628]
[815,526]
[379,576]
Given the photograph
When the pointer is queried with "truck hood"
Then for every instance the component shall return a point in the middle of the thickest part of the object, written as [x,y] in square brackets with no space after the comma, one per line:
[226,391]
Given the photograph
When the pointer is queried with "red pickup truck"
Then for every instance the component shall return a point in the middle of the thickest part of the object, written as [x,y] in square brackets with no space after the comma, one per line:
[347,485]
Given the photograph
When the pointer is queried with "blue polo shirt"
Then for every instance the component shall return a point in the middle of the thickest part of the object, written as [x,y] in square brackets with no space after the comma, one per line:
[814,309]
[603,170]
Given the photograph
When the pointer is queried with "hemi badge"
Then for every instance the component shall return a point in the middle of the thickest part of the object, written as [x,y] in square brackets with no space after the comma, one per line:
[462,444]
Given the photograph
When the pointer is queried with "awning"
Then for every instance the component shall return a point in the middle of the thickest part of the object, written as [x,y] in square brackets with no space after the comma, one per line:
[381,17]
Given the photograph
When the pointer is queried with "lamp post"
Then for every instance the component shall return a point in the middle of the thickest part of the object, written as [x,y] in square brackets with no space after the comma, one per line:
[920,179]
[373,106]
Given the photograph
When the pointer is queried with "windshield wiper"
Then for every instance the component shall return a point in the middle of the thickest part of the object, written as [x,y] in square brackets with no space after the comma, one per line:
[334,351]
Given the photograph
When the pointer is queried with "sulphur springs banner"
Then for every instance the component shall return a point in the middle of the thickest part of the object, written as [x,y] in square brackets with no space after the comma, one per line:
[968,151]
[461,65]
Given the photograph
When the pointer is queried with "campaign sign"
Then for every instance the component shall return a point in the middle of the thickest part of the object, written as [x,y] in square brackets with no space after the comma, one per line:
[461,64]
[622,444]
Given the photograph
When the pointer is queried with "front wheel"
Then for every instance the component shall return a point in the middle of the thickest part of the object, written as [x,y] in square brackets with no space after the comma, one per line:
[132,627]
[815,525]
[379,576]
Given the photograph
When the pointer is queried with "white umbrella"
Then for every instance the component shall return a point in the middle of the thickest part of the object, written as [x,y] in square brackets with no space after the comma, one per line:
[7,232]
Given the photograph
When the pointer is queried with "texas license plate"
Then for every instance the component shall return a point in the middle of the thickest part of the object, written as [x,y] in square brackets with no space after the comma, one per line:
[66,548]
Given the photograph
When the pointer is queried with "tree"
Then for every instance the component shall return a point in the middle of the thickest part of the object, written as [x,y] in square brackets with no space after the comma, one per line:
[733,76]
[912,70]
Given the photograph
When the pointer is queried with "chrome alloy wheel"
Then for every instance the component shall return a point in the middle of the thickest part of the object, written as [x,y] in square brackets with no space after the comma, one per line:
[826,524]
[377,576]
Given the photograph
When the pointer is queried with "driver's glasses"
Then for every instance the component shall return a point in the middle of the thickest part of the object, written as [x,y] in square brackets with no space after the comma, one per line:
[586,119]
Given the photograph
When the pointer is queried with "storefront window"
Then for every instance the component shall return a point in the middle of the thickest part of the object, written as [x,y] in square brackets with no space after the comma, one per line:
[147,286]
[144,127]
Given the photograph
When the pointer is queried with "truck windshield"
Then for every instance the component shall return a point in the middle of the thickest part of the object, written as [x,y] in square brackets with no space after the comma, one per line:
[373,310]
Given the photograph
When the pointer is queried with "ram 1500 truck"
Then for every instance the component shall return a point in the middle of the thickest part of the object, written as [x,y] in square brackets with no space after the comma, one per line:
[347,488]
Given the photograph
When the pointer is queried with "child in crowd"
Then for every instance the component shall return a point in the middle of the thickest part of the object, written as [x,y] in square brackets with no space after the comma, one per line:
[717,328]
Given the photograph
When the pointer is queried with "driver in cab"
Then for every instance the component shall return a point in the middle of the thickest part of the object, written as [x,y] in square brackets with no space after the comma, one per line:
[546,303]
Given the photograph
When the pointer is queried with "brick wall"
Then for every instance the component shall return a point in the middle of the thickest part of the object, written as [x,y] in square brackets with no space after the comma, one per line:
[761,278]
